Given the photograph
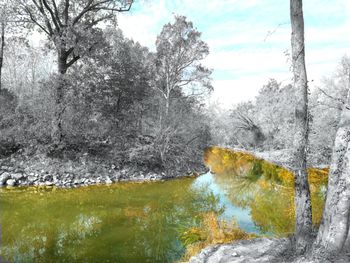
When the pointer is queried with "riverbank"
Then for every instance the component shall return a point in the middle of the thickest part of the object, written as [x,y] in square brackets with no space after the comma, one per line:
[40,170]
[266,249]
[282,158]
[260,250]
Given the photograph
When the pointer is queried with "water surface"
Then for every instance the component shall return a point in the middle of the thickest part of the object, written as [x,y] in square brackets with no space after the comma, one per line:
[143,222]
[126,222]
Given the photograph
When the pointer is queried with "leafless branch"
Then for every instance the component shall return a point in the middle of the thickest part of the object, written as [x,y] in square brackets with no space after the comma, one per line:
[331,97]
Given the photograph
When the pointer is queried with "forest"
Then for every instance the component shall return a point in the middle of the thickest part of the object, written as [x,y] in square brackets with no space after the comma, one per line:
[82,105]
[105,96]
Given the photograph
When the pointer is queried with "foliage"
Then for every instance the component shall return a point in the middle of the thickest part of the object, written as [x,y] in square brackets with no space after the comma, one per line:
[263,123]
[267,189]
[328,98]
[180,81]
[109,106]
[211,231]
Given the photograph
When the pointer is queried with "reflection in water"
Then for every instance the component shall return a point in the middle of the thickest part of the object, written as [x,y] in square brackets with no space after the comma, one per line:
[120,223]
[130,222]
[265,189]
[232,210]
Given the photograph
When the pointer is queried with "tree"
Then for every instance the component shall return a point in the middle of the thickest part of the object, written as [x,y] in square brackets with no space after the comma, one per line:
[71,27]
[334,235]
[329,98]
[2,39]
[6,15]
[274,112]
[110,86]
[179,53]
[179,77]
[302,190]
[247,132]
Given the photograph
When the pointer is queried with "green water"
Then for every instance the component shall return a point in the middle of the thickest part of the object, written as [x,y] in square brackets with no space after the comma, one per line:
[143,222]
[126,222]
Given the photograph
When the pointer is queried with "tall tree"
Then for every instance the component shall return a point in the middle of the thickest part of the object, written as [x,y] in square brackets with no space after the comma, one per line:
[179,53]
[71,28]
[334,235]
[302,190]
[6,15]
[178,73]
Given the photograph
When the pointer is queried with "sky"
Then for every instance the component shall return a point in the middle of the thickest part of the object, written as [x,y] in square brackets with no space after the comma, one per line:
[249,40]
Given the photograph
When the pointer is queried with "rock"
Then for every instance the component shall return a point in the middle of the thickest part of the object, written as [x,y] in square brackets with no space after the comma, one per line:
[32,179]
[11,182]
[153,177]
[77,181]
[4,177]
[108,180]
[48,183]
[259,250]
[17,176]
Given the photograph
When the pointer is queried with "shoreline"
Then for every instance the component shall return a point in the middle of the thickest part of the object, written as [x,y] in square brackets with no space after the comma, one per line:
[282,158]
[17,179]
[40,170]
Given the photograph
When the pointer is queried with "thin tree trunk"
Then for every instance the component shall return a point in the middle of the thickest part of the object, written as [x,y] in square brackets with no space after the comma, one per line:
[167,107]
[57,131]
[303,226]
[333,234]
[2,46]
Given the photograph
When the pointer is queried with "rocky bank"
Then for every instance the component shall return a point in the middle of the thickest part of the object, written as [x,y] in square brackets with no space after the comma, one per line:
[259,250]
[43,171]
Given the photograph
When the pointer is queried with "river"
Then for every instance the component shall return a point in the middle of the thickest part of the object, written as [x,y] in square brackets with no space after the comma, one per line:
[127,222]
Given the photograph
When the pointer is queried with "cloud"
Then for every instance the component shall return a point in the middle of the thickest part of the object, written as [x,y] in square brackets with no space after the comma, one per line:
[249,39]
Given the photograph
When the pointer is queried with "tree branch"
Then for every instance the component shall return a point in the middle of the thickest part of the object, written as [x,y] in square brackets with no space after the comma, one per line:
[53,18]
[331,97]
[65,12]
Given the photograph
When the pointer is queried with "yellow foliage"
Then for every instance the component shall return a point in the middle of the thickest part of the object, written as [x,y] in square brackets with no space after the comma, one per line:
[286,177]
[318,176]
[212,231]
[272,202]
[222,160]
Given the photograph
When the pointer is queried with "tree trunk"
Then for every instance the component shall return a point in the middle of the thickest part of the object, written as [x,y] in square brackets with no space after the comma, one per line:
[167,107]
[303,226]
[2,46]
[57,131]
[333,234]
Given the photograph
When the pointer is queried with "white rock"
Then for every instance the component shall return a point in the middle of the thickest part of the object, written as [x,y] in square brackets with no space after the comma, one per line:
[108,180]
[17,176]
[4,177]
[10,182]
